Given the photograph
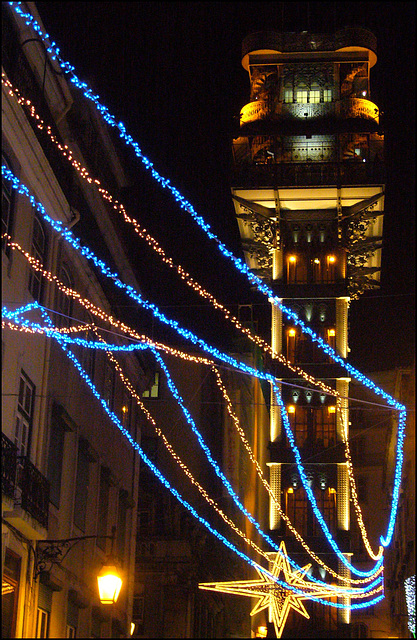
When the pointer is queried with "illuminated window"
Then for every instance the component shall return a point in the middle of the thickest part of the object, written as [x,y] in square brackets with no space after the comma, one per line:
[326,503]
[153,392]
[38,251]
[330,268]
[317,270]
[42,624]
[331,338]
[288,95]
[291,345]
[296,509]
[301,96]
[314,96]
[325,426]
[327,95]
[296,269]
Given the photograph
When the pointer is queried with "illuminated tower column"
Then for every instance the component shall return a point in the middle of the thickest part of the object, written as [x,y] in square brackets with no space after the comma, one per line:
[308,193]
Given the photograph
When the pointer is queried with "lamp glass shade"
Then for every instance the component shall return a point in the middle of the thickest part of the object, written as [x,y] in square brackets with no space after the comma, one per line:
[109,584]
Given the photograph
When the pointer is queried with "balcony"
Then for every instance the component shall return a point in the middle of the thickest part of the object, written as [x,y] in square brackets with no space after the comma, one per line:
[261,117]
[304,174]
[26,486]
[8,466]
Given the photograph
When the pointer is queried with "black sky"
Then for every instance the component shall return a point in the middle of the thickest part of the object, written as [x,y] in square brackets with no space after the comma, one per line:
[171,71]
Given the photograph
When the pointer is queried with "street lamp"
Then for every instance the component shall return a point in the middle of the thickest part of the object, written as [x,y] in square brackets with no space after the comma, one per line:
[54,551]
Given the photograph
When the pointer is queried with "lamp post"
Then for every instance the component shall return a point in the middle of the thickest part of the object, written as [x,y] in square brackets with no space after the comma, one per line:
[54,551]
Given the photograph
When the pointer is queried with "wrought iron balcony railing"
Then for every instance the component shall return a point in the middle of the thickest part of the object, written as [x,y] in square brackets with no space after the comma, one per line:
[8,466]
[34,497]
[24,483]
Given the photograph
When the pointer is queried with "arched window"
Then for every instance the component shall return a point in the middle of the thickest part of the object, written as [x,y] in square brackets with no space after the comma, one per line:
[39,252]
[64,302]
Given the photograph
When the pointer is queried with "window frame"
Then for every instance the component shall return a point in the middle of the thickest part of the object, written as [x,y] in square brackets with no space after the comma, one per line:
[26,414]
[39,251]
[63,303]
[7,194]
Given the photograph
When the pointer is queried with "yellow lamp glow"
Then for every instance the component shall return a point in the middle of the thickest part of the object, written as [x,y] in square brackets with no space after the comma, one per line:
[292,259]
[291,409]
[332,409]
[316,261]
[109,584]
[331,259]
[132,628]
[291,332]
[332,332]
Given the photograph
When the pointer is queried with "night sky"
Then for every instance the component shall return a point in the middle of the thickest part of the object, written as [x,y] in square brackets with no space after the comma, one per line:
[171,71]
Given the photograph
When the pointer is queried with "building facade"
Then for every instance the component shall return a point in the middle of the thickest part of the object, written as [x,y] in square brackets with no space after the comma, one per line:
[308,190]
[67,471]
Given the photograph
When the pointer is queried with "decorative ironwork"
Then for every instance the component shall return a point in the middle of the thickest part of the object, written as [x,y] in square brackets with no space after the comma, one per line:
[8,466]
[51,552]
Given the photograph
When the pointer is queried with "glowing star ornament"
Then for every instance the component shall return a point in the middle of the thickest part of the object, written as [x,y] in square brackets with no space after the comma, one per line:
[274,594]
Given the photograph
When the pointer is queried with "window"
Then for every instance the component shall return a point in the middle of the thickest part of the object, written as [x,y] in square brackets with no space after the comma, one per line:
[72,617]
[81,485]
[103,507]
[288,95]
[109,383]
[299,425]
[153,391]
[56,455]
[7,203]
[296,509]
[325,426]
[24,414]
[39,252]
[327,95]
[314,95]
[88,355]
[42,624]
[10,593]
[43,611]
[121,524]
[326,503]
[63,302]
[301,96]
[127,407]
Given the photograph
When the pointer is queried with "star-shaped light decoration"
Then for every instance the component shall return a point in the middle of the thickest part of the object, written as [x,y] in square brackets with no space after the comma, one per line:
[277,598]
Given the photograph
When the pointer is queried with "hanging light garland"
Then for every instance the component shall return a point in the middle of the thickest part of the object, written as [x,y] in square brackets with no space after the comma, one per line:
[196,287]
[67,68]
[85,251]
[385,541]
[371,589]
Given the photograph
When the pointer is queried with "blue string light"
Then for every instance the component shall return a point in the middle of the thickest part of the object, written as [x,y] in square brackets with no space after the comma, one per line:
[75,243]
[242,267]
[16,316]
